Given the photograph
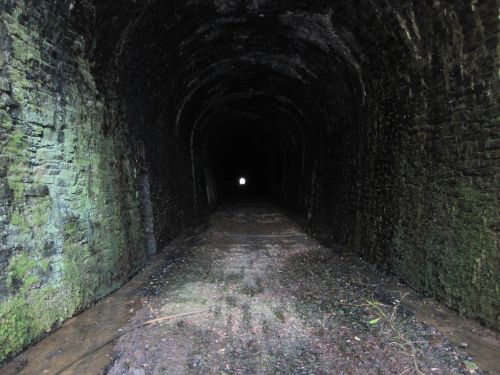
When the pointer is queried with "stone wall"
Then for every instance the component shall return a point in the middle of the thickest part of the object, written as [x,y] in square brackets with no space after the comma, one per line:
[445,236]
[382,116]
[70,213]
[415,186]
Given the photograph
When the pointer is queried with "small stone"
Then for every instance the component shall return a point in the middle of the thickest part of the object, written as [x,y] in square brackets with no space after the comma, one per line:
[139,371]
[197,361]
[464,345]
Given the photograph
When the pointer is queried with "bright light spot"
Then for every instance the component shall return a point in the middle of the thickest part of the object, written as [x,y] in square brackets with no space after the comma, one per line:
[243,181]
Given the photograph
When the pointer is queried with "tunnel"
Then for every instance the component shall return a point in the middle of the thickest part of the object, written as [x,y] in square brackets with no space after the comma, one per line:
[373,123]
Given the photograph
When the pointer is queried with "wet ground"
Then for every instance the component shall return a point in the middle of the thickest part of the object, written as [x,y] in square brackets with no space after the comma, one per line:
[265,298]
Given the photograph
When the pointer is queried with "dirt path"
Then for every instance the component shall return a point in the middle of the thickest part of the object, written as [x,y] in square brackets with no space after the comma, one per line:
[278,303]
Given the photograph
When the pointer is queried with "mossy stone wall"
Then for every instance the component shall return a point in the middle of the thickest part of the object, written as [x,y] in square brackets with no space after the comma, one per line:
[70,215]
[414,186]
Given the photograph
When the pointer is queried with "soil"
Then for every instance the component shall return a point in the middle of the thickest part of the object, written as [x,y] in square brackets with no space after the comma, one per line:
[269,299]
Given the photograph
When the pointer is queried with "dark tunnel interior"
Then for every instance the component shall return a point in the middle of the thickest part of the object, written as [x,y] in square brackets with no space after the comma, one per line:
[375,121]
[250,93]
[343,113]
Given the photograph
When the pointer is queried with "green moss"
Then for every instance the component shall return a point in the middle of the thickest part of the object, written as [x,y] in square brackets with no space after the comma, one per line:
[19,323]
[14,147]
[22,272]
[82,164]
[49,307]
[41,212]
[18,219]
[28,315]
[102,245]
[79,275]
[32,216]
[16,183]
[451,253]
[14,150]
[83,270]
[14,326]
[5,121]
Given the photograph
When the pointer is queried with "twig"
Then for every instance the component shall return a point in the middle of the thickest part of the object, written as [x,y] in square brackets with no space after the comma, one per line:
[117,336]
[409,342]
[403,341]
[414,355]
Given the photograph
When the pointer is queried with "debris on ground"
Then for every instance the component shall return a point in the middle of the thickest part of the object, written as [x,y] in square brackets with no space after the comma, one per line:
[277,302]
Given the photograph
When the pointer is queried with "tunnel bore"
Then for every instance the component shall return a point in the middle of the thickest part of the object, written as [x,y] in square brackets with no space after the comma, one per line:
[124,123]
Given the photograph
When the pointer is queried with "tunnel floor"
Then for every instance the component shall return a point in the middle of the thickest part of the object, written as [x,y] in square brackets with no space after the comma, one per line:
[265,298]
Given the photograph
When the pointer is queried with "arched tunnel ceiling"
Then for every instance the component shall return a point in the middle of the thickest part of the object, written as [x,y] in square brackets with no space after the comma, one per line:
[209,60]
[127,121]
[312,69]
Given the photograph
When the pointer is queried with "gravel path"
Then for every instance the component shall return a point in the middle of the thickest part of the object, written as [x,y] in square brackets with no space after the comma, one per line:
[275,302]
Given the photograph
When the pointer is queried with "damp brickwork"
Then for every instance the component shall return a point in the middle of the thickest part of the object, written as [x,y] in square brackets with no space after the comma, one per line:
[415,187]
[122,121]
[70,216]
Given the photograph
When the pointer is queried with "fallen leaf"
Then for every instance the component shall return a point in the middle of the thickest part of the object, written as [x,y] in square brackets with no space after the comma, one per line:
[374,321]
[471,365]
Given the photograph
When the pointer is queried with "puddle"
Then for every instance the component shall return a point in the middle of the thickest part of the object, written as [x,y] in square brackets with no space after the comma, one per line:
[482,344]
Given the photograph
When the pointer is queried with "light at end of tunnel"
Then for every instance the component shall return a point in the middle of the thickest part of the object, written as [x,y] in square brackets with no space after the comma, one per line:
[243,181]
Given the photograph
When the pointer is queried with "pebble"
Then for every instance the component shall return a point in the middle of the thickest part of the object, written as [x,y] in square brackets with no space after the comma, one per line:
[464,345]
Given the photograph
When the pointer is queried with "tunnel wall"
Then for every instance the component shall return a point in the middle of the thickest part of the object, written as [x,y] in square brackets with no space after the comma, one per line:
[70,213]
[415,187]
[136,60]
[395,107]
[168,169]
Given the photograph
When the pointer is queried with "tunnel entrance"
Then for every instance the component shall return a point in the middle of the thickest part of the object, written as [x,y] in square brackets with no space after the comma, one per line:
[124,123]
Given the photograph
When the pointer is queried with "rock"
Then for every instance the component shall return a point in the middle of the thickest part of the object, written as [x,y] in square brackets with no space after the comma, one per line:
[36,190]
[138,371]
[197,361]
[5,85]
[5,101]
